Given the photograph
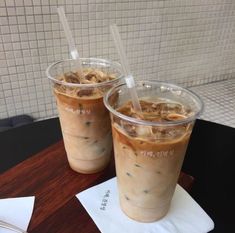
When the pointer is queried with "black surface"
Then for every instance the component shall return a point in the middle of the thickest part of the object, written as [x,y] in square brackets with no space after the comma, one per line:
[4,128]
[21,142]
[209,159]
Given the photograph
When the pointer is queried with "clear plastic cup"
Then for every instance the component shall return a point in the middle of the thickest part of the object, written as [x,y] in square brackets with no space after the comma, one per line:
[84,120]
[149,154]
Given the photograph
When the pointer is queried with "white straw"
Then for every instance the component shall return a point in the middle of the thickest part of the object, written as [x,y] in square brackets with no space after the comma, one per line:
[126,69]
[72,48]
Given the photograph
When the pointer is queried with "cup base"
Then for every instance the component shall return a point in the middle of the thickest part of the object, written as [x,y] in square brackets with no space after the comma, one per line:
[145,215]
[89,166]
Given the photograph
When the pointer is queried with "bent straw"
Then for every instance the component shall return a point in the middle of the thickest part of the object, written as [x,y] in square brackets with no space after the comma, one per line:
[126,69]
[72,48]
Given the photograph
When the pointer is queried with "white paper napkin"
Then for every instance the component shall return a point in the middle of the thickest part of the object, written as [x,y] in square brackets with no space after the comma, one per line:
[17,211]
[184,216]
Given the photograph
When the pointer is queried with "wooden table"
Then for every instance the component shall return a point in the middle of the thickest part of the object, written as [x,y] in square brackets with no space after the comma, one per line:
[48,177]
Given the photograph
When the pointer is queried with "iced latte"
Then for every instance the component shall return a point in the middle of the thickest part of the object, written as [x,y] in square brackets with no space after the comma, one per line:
[84,120]
[150,146]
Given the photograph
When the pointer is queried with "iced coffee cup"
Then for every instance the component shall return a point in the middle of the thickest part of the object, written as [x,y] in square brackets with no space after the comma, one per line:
[149,146]
[84,120]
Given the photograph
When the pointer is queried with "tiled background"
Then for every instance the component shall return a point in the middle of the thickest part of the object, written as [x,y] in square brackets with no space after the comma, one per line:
[189,42]
[219,101]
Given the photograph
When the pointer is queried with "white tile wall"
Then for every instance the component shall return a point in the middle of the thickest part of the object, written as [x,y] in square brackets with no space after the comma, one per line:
[183,41]
[219,101]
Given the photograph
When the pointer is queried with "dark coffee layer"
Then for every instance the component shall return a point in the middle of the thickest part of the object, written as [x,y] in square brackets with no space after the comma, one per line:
[157,111]
[88,76]
[160,112]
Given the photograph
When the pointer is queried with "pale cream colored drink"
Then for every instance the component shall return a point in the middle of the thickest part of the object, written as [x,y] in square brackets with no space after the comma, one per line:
[84,120]
[150,146]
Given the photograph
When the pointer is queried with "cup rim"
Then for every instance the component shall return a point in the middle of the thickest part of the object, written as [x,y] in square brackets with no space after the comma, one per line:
[150,123]
[91,59]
